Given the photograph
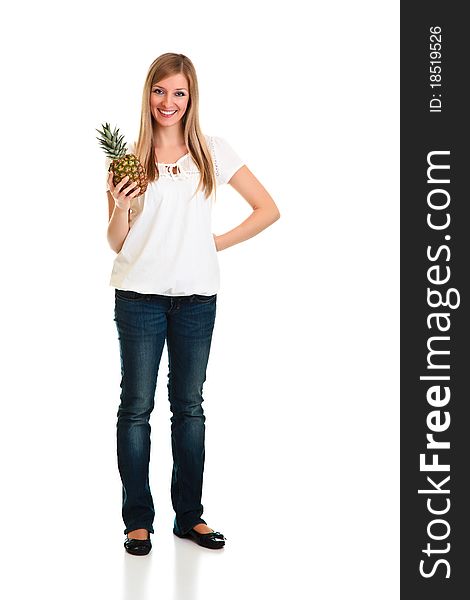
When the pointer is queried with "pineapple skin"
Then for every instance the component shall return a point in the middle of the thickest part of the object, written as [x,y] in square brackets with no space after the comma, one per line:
[129,165]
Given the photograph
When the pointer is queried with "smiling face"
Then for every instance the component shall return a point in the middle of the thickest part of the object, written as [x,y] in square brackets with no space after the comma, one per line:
[169,95]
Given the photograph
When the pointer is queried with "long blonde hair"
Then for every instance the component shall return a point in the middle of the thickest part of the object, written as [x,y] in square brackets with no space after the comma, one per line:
[164,66]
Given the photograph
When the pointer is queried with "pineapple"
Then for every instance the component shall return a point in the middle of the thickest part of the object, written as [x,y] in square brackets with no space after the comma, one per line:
[122,164]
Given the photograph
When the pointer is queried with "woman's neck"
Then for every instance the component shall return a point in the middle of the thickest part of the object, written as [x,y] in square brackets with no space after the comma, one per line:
[169,138]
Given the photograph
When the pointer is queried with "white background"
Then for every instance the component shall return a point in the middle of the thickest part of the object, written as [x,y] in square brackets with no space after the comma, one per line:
[301,397]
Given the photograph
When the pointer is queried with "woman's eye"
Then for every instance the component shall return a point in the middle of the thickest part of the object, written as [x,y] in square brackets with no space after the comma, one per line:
[182,93]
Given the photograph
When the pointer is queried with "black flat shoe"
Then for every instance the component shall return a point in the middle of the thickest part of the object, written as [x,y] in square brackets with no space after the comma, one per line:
[213,539]
[138,547]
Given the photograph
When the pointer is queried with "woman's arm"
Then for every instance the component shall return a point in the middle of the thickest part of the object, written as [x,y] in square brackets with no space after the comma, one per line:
[265,211]
[118,225]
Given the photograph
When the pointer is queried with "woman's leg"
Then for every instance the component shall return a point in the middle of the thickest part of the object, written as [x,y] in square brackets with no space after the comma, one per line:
[190,326]
[141,325]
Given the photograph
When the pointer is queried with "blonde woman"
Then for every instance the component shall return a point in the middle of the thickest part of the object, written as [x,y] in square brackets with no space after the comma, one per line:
[166,279]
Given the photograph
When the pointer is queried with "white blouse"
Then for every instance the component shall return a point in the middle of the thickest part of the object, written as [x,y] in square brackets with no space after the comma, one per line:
[170,249]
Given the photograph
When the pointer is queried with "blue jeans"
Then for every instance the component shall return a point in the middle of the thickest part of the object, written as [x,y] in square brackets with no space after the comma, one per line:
[144,322]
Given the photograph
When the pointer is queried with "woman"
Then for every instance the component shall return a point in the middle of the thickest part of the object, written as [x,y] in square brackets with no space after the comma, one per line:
[166,277]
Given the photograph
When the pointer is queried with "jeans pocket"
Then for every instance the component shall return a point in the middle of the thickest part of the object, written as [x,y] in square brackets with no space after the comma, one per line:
[200,299]
[127,294]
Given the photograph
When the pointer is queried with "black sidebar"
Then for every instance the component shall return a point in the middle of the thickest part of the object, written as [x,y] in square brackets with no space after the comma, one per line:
[434,304]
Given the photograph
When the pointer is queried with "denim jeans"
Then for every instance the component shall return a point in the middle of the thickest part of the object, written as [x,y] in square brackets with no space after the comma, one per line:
[144,322]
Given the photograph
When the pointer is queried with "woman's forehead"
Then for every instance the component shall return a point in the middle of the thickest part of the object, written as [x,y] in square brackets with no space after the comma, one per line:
[178,80]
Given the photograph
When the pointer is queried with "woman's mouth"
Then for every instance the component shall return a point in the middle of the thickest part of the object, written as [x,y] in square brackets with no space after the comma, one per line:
[167,113]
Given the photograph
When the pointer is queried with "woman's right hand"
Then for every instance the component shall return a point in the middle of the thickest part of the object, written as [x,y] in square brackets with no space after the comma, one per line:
[122,198]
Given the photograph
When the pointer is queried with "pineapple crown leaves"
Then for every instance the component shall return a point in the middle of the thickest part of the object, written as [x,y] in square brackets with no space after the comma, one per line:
[111,142]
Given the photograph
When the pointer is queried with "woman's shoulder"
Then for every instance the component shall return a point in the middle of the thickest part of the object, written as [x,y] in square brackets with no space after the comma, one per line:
[217,143]
[211,136]
[209,139]
[226,160]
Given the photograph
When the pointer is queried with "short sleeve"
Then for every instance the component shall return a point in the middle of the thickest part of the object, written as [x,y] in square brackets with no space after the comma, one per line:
[226,160]
[108,161]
